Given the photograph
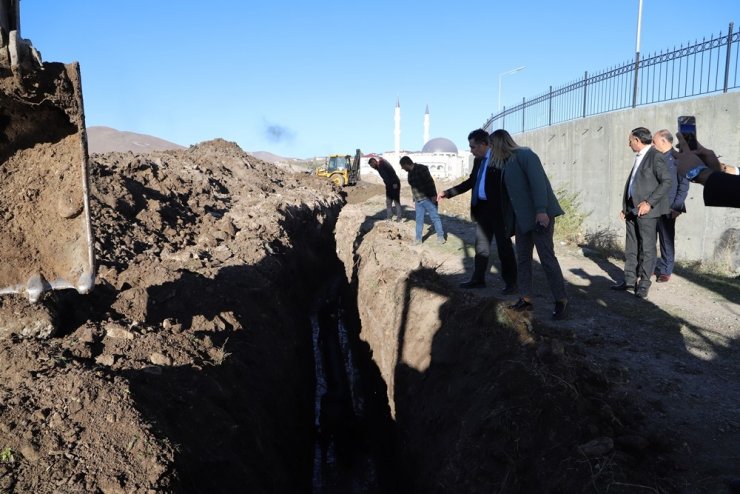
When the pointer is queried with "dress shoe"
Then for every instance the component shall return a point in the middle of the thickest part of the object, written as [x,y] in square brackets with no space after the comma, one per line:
[561,310]
[662,278]
[521,305]
[621,287]
[509,290]
[473,284]
[641,292]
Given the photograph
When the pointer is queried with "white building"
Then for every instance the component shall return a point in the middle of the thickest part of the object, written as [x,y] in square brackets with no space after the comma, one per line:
[439,154]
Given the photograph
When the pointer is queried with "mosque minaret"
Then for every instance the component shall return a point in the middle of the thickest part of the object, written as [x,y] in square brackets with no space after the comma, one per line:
[397,129]
[426,125]
[439,154]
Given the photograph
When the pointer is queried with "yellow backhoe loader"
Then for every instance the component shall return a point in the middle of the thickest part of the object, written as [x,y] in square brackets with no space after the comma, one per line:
[45,234]
[342,170]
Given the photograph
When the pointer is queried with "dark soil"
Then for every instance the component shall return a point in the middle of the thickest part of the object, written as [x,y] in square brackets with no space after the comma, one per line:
[189,368]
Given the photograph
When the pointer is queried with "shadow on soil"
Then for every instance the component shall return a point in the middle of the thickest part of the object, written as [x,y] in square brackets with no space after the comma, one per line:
[507,404]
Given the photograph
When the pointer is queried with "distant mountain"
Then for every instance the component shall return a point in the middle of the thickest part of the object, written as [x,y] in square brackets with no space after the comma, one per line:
[106,140]
[269,157]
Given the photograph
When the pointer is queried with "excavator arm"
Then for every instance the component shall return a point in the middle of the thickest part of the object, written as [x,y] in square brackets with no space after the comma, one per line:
[46,237]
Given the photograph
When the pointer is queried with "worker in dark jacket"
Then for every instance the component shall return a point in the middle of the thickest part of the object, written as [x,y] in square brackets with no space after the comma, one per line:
[425,197]
[392,186]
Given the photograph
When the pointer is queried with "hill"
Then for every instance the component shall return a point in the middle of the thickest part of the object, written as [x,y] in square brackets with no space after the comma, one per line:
[107,140]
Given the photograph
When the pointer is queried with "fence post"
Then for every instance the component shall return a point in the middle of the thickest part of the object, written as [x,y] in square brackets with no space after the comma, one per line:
[523,106]
[585,86]
[727,59]
[634,89]
[549,110]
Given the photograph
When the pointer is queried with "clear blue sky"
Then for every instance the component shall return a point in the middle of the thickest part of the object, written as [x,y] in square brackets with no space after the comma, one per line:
[307,78]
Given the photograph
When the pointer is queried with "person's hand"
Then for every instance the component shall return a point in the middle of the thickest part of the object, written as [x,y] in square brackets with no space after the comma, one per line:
[621,215]
[708,157]
[675,214]
[685,157]
[543,219]
[643,208]
[440,196]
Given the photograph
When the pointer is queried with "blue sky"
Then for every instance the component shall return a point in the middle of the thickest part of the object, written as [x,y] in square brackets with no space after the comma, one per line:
[303,79]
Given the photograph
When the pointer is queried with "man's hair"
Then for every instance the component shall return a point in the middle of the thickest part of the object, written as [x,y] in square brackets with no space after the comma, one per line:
[502,145]
[643,135]
[479,136]
[406,161]
[665,134]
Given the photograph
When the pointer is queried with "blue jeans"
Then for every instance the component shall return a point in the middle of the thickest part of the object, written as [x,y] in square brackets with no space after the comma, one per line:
[427,206]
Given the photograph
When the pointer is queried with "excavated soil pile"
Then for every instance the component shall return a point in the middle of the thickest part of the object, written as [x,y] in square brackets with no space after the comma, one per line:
[189,368]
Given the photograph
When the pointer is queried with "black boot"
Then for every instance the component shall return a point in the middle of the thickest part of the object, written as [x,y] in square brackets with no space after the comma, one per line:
[478,280]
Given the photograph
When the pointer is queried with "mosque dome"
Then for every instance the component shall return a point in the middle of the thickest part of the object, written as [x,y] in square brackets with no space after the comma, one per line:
[439,145]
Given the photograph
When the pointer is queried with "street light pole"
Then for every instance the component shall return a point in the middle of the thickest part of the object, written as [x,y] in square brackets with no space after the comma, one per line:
[500,76]
[637,53]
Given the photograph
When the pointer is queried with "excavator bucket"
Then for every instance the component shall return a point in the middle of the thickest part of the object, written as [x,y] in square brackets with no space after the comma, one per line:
[45,234]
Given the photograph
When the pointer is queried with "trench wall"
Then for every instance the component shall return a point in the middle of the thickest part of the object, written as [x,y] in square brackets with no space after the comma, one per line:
[590,156]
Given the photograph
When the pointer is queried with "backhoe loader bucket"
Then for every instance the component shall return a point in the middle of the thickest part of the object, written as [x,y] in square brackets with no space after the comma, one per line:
[45,233]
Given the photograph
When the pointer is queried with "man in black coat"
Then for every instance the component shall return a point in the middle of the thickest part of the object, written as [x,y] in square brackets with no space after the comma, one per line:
[392,186]
[486,209]
[644,200]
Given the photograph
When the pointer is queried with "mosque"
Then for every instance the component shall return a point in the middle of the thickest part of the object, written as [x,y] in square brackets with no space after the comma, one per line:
[439,154]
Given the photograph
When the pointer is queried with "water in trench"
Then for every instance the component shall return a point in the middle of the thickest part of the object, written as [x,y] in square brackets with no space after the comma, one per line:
[353,447]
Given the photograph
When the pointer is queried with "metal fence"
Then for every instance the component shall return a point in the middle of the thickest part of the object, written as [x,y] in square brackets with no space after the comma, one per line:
[705,67]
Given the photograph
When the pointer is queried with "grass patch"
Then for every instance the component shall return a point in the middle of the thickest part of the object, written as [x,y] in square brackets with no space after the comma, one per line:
[570,226]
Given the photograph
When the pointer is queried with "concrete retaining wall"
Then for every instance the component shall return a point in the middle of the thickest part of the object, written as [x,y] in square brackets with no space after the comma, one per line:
[590,156]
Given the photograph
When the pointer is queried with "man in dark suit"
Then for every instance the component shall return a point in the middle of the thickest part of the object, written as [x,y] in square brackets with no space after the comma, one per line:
[486,209]
[644,200]
[663,143]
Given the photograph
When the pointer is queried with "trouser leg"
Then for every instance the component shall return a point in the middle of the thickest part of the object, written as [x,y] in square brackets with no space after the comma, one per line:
[398,210]
[524,246]
[630,250]
[647,230]
[419,221]
[483,237]
[436,220]
[388,211]
[546,252]
[506,254]
[666,236]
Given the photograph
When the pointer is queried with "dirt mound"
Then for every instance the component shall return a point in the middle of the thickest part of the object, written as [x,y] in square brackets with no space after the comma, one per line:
[166,377]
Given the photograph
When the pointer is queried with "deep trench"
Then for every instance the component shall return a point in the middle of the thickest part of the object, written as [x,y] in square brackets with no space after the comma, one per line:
[354,450]
[331,431]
